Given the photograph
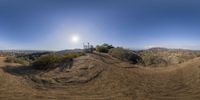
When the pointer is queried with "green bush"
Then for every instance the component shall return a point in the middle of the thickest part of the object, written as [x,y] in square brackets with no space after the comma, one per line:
[52,61]
[104,48]
[125,54]
[16,60]
[30,57]
[47,62]
[9,60]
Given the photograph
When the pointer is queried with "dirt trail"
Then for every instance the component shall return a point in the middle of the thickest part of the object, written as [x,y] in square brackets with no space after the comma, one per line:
[12,87]
[116,81]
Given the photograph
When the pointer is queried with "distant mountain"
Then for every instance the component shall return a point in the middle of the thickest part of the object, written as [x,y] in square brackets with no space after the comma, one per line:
[69,51]
[30,52]
[159,49]
[21,52]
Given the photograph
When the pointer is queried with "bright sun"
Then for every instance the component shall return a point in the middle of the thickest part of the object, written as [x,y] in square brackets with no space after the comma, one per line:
[75,38]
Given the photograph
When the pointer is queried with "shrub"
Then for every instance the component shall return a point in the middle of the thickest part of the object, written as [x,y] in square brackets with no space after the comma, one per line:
[163,57]
[156,60]
[16,60]
[9,60]
[52,61]
[104,48]
[125,54]
[101,49]
[47,61]
[31,57]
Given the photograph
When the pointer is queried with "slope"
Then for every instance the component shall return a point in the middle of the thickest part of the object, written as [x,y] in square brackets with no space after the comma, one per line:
[102,77]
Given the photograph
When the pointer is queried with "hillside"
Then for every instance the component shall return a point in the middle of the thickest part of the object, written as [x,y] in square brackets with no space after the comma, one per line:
[161,57]
[101,77]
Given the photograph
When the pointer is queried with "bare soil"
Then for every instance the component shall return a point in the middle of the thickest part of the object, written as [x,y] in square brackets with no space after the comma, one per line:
[101,77]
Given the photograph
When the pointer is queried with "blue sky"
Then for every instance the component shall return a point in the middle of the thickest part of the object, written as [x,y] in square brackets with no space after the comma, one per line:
[135,24]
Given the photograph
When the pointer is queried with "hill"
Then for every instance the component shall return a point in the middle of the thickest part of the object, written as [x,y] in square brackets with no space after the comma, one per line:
[100,76]
[157,57]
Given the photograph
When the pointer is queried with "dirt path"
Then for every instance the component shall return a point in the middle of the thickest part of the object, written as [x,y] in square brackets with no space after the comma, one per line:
[11,86]
[116,82]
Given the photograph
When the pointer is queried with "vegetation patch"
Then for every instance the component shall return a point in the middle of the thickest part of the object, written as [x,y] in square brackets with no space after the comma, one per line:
[12,59]
[51,61]
[31,57]
[163,57]
[104,48]
[126,55]
[24,59]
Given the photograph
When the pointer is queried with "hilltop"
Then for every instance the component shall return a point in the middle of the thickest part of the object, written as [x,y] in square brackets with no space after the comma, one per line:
[105,77]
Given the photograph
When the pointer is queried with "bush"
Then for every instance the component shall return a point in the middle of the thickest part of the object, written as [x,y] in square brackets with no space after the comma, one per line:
[126,55]
[52,61]
[104,48]
[163,57]
[47,62]
[156,60]
[16,60]
[9,60]
[31,57]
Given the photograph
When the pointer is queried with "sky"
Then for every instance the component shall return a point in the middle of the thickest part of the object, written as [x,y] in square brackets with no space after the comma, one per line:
[134,24]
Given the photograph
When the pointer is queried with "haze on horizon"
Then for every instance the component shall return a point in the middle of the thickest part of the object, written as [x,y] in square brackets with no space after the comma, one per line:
[66,24]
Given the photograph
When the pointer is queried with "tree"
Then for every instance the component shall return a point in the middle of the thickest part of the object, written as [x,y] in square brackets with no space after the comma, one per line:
[104,48]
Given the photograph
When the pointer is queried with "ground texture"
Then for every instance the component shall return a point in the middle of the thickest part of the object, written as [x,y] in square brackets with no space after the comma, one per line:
[101,77]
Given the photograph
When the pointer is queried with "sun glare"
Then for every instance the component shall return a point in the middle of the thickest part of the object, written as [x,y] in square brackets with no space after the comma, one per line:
[75,39]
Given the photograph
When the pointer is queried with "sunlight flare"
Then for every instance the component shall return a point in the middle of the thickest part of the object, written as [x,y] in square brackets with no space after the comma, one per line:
[75,38]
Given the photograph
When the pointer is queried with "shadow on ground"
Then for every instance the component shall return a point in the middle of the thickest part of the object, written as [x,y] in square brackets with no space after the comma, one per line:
[20,71]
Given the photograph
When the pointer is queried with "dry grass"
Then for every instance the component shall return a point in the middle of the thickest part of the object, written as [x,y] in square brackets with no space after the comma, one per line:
[160,57]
